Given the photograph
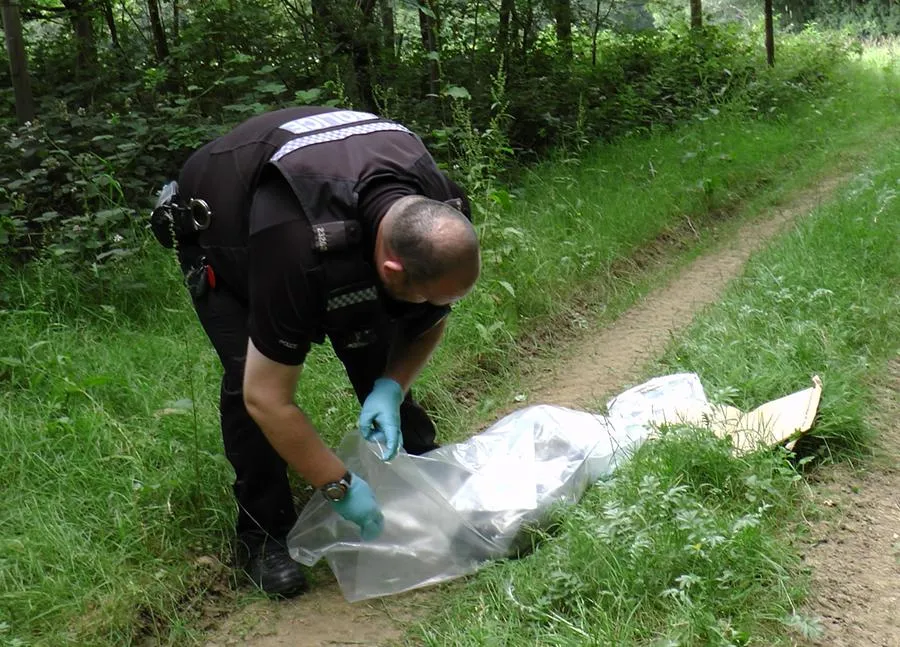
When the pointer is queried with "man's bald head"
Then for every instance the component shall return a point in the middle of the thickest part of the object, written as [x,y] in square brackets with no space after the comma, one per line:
[432,240]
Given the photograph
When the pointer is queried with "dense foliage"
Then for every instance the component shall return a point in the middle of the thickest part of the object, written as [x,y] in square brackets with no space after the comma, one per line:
[125,90]
[868,19]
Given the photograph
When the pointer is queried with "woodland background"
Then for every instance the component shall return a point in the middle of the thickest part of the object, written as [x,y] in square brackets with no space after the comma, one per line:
[600,141]
[102,100]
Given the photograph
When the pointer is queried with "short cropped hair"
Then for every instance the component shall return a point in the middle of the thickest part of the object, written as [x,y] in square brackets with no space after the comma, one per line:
[415,237]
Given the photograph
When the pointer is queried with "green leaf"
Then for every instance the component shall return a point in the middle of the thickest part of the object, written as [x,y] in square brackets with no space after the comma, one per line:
[308,96]
[501,198]
[457,92]
[508,287]
[110,215]
[434,56]
[270,87]
[47,216]
[238,107]
[184,404]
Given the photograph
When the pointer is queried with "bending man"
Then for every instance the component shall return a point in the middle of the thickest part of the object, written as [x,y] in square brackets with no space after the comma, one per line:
[303,224]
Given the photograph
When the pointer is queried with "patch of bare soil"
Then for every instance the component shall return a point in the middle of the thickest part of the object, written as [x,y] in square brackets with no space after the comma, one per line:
[597,364]
[321,618]
[855,553]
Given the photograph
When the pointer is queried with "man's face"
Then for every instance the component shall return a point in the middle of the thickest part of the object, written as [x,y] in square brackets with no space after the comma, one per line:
[440,292]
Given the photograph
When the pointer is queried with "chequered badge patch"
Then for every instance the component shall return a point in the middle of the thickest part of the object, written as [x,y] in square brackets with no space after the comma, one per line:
[351,298]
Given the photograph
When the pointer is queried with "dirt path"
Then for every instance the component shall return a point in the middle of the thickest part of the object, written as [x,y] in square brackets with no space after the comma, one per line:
[597,365]
[855,554]
[601,364]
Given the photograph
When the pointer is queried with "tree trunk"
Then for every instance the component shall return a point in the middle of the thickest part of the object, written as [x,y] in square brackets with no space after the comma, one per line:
[18,62]
[364,37]
[83,28]
[345,28]
[429,27]
[696,14]
[324,28]
[159,34]
[388,29]
[176,19]
[503,28]
[111,24]
[770,35]
[527,28]
[473,54]
[562,15]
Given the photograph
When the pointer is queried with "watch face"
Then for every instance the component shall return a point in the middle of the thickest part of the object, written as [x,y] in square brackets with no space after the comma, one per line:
[334,491]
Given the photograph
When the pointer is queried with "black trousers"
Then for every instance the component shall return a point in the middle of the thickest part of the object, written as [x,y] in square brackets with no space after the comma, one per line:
[261,488]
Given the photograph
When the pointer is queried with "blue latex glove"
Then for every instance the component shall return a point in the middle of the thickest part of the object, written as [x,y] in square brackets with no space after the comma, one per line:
[380,416]
[360,507]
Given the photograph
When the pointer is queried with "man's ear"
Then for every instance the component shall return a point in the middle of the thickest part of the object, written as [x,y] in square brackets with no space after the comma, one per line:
[393,269]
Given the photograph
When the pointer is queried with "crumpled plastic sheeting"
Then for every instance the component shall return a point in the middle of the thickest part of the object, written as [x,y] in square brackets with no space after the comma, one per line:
[453,509]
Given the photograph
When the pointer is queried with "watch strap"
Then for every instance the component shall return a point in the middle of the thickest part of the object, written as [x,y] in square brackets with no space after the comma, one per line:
[342,484]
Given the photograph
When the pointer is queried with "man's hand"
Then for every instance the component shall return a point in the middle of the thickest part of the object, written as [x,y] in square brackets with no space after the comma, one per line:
[380,416]
[360,507]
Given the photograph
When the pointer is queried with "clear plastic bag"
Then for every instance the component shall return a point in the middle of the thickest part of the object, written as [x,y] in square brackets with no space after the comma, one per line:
[457,507]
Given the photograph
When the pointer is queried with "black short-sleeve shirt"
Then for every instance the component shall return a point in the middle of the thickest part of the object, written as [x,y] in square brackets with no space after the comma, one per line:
[285,308]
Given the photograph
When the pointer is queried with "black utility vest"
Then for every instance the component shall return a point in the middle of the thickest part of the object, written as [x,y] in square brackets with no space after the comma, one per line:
[329,157]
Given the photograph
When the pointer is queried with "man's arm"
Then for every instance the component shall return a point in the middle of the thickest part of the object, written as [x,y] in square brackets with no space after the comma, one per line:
[269,397]
[408,358]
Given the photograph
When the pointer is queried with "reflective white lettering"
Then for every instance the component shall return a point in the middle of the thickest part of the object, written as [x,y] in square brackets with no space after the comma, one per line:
[313,123]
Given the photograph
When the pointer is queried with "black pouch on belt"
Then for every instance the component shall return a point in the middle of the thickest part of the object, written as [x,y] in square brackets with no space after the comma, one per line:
[174,219]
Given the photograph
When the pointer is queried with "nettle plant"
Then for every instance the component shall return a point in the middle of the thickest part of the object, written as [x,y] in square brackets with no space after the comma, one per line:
[64,200]
[680,542]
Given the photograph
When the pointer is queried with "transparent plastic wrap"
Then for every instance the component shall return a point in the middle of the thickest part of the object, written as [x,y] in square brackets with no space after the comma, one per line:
[453,509]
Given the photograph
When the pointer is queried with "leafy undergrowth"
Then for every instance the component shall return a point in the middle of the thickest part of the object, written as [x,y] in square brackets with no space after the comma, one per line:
[686,544]
[116,486]
[73,181]
[679,548]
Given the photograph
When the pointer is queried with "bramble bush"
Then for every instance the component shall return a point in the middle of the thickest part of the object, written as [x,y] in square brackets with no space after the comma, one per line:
[76,185]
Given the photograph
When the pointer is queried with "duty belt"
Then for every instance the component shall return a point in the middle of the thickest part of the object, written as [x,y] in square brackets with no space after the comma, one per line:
[174,219]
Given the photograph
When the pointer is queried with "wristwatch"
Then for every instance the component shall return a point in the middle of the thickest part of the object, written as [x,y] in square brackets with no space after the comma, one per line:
[337,490]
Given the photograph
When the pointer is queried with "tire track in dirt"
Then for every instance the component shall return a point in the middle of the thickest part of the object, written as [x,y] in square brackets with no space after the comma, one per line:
[855,554]
[593,366]
[603,363]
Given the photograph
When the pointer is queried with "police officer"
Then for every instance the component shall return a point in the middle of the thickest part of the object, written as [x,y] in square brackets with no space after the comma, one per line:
[302,224]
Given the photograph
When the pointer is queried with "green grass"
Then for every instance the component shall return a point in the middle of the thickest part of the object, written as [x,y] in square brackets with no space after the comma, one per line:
[825,301]
[111,464]
[558,248]
[688,545]
[680,548]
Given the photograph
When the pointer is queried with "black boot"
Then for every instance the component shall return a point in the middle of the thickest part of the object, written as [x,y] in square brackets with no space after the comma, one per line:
[269,566]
